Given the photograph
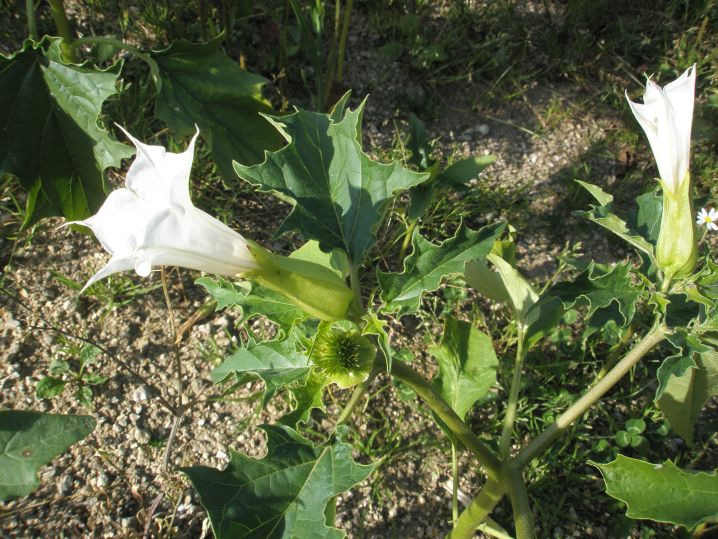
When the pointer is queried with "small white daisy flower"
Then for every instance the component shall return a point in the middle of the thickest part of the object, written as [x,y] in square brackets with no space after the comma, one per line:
[708,218]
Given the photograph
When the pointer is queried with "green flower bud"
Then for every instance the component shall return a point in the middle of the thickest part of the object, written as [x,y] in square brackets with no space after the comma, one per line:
[344,357]
[677,249]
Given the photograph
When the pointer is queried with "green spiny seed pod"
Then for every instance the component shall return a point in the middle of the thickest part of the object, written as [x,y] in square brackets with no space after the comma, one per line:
[344,357]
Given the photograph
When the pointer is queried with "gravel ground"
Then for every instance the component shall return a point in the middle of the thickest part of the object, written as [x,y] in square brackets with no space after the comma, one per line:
[105,485]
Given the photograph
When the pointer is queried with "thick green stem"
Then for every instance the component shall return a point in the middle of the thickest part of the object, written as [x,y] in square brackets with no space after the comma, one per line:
[343,39]
[332,60]
[441,408]
[407,239]
[357,395]
[523,518]
[656,335]
[510,418]
[454,484]
[57,8]
[478,510]
[31,22]
[356,287]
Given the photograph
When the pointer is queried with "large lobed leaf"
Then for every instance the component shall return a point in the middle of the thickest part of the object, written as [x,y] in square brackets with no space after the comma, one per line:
[283,495]
[29,440]
[49,132]
[429,264]
[339,193]
[277,363]
[199,85]
[598,287]
[687,381]
[662,492]
[467,365]
[648,220]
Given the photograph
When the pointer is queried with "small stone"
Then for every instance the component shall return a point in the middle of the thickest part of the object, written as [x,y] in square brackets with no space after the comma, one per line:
[141,436]
[482,129]
[139,394]
[102,480]
[64,484]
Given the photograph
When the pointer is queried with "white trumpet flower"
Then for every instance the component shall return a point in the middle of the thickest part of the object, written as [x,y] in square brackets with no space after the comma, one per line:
[152,222]
[666,116]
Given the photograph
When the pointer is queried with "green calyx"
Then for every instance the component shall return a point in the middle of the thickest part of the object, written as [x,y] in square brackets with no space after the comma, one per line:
[344,357]
[315,289]
[677,249]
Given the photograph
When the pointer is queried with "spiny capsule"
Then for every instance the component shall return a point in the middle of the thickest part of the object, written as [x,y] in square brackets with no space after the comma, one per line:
[344,357]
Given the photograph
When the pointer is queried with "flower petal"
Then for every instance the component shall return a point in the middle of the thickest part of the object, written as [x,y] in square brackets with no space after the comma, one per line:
[115,265]
[120,222]
[159,175]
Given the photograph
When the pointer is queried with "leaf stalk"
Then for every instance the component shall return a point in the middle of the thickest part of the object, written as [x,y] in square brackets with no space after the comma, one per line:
[510,418]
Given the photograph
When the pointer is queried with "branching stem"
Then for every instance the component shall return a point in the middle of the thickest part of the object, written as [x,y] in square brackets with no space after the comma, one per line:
[478,510]
[655,336]
[523,518]
[441,408]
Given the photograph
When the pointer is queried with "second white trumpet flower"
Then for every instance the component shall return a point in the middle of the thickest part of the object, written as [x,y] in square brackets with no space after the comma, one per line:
[152,222]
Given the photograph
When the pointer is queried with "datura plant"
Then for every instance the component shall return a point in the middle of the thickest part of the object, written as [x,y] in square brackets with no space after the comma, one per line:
[333,305]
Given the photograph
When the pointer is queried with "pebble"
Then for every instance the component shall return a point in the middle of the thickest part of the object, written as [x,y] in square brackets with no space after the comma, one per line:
[102,480]
[64,484]
[139,394]
[141,436]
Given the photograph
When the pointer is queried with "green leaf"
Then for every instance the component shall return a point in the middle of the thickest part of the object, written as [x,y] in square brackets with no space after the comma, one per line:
[647,219]
[689,347]
[50,137]
[88,355]
[418,144]
[201,86]
[465,170]
[29,440]
[306,397]
[623,438]
[662,492]
[683,395]
[284,495]
[335,260]
[49,387]
[599,194]
[505,284]
[339,193]
[254,300]
[597,288]
[277,363]
[635,426]
[542,317]
[84,396]
[429,264]
[603,216]
[378,327]
[467,365]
